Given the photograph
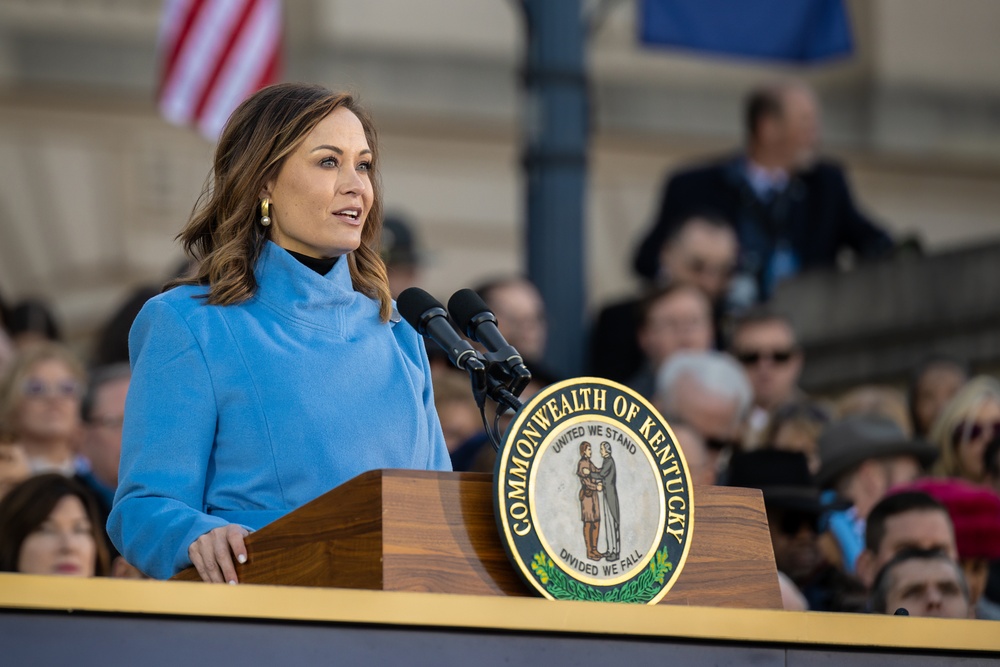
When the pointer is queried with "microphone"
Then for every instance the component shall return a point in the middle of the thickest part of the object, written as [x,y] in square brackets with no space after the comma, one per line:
[426,314]
[475,318]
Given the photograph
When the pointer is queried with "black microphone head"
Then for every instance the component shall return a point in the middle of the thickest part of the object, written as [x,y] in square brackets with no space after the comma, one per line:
[464,305]
[902,611]
[413,302]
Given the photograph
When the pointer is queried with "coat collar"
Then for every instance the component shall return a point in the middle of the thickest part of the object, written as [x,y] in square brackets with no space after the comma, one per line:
[287,286]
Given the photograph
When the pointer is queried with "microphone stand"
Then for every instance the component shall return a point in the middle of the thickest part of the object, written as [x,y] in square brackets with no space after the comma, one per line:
[505,400]
[478,377]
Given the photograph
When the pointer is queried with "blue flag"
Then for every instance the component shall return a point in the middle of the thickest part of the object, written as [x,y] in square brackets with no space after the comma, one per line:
[788,30]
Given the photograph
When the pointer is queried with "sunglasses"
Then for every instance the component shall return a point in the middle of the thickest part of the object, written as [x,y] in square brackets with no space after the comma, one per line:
[33,388]
[775,357]
[966,431]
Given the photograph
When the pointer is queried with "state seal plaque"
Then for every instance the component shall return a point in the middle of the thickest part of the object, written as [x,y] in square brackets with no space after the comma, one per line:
[592,495]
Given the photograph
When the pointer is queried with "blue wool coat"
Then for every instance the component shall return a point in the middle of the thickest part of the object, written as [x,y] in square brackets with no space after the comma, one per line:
[239,414]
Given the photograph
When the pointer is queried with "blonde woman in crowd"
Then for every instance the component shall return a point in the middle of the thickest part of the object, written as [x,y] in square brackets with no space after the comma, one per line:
[965,426]
[40,399]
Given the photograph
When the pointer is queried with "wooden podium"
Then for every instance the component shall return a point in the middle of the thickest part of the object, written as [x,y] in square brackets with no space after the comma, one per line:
[405,530]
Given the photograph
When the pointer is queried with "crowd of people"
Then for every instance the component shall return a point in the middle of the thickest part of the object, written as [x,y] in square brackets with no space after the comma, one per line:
[879,500]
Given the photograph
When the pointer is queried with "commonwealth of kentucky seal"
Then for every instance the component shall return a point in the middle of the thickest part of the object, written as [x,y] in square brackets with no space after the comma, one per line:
[593,496]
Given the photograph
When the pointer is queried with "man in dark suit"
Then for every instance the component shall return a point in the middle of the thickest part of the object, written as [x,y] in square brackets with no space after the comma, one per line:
[791,211]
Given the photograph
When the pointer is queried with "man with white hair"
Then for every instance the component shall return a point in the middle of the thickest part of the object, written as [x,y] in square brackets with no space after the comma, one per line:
[710,392]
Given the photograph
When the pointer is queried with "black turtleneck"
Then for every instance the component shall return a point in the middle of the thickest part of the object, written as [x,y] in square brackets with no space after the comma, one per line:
[320,266]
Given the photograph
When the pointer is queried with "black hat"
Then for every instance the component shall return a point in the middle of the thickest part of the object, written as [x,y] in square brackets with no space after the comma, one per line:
[783,477]
[399,244]
[854,439]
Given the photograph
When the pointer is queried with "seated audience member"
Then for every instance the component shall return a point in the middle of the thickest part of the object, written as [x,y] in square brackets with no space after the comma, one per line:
[904,520]
[876,400]
[14,467]
[965,425]
[796,427]
[103,413]
[701,252]
[790,209]
[861,458]
[31,321]
[40,406]
[520,313]
[934,382]
[793,506]
[674,318]
[710,393]
[695,453]
[399,252]
[766,344]
[975,515]
[924,582]
[49,525]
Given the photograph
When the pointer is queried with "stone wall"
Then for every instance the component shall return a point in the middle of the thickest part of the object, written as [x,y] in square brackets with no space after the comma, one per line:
[876,322]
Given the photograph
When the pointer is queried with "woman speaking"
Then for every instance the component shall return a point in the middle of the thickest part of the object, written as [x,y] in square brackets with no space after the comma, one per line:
[280,369]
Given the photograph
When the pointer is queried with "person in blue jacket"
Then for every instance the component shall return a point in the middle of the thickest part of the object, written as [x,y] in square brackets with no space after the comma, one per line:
[279,369]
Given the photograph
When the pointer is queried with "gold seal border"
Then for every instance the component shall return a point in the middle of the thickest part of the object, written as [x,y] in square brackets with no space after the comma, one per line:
[661,524]
[501,478]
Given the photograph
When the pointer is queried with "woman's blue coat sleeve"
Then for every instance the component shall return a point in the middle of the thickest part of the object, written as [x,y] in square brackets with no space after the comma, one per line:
[170,423]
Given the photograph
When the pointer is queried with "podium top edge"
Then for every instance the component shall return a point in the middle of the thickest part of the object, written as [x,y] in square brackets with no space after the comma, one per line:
[528,615]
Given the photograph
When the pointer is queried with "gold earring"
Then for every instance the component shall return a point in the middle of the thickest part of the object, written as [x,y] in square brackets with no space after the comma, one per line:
[265,212]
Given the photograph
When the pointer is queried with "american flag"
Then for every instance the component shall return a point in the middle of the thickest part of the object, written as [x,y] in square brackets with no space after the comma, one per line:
[213,55]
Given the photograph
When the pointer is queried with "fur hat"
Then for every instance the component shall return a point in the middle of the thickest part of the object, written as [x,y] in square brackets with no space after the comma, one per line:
[974,511]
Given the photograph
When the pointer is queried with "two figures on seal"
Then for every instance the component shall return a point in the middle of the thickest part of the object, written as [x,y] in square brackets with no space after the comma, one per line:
[597,481]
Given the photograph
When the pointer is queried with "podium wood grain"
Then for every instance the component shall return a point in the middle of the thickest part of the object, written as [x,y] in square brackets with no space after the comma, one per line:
[428,531]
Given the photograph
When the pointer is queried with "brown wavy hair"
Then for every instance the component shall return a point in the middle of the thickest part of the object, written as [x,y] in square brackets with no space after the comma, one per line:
[224,233]
[28,506]
[952,423]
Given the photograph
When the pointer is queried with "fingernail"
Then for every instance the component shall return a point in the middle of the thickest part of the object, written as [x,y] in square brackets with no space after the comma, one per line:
[241,558]
[232,582]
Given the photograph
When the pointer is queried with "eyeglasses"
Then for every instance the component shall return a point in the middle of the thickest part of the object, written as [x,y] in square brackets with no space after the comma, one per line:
[775,357]
[34,388]
[966,431]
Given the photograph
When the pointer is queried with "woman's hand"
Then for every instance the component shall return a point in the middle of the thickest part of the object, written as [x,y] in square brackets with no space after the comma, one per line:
[212,553]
